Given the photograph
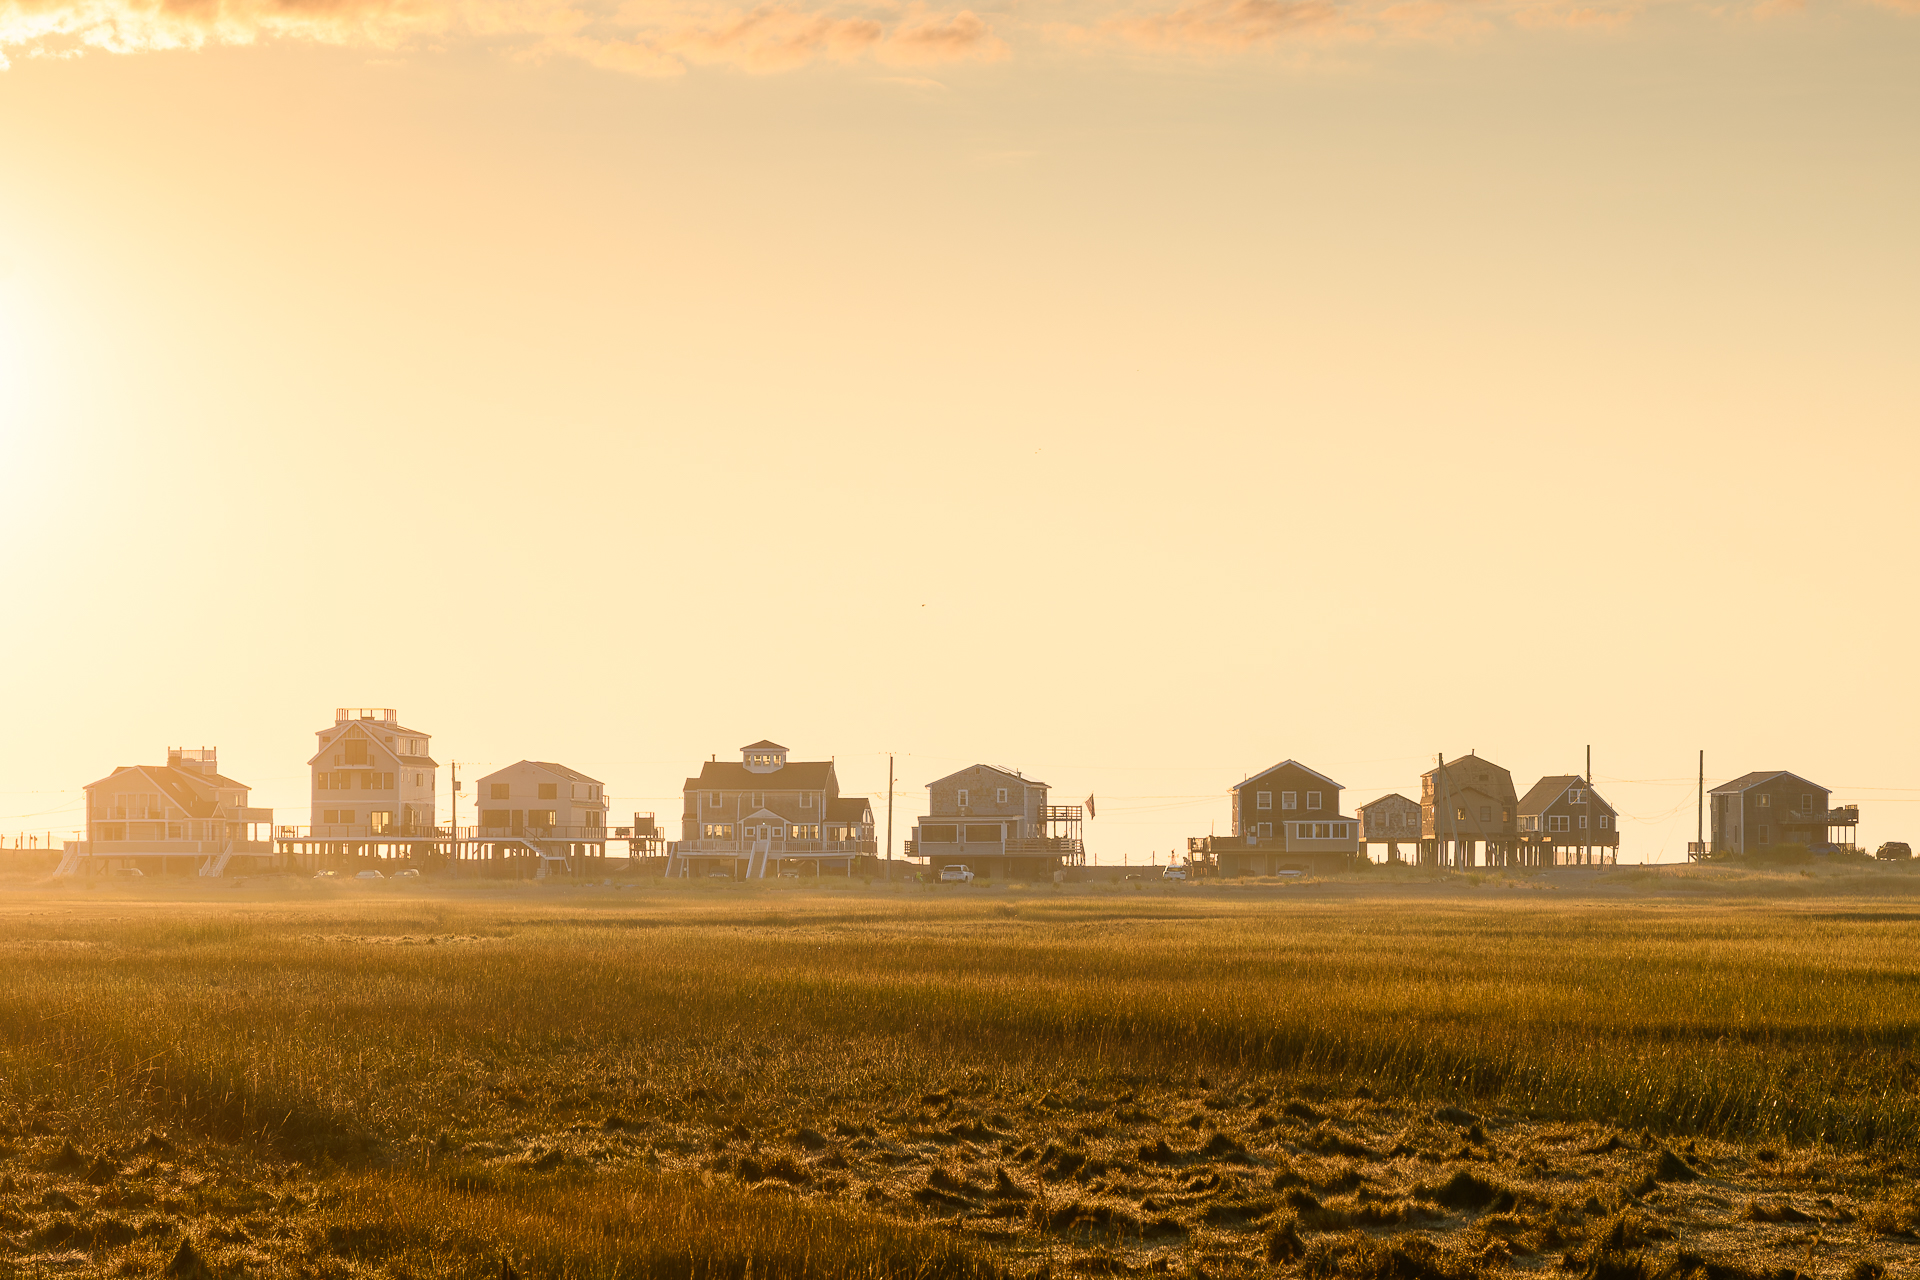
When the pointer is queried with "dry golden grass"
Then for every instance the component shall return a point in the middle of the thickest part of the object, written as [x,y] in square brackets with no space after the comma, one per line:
[720,1081]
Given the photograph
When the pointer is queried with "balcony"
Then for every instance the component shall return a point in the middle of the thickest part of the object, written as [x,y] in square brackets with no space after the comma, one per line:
[358,831]
[1845,816]
[167,848]
[778,848]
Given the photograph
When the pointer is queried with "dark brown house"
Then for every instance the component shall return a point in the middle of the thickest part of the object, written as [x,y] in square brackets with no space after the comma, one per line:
[1464,803]
[1286,818]
[1771,808]
[1563,819]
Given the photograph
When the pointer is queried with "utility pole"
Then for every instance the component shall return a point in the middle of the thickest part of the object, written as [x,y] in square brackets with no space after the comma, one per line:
[1700,808]
[453,813]
[889,816]
[1453,819]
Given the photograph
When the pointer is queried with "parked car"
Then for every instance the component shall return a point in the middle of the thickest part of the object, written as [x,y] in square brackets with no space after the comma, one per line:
[1894,851]
[369,875]
[135,873]
[326,875]
[411,873]
[1174,873]
[956,873]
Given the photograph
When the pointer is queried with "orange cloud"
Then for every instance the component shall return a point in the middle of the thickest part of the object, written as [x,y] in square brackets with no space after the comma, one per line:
[1230,24]
[649,40]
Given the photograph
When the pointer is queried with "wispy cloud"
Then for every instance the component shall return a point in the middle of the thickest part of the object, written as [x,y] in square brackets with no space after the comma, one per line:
[667,37]
[642,39]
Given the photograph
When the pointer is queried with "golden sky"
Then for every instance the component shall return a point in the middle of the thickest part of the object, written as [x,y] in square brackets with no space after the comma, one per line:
[1136,394]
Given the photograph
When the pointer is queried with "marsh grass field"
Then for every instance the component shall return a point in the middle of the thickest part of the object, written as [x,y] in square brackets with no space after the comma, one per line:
[1622,1074]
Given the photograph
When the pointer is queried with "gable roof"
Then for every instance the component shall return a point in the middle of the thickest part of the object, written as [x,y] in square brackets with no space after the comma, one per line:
[1542,794]
[731,775]
[1391,795]
[1030,782]
[1283,765]
[572,774]
[849,809]
[191,793]
[763,745]
[1747,781]
[1458,761]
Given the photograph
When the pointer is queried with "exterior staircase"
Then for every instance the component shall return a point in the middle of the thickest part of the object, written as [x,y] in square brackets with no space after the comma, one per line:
[216,864]
[758,859]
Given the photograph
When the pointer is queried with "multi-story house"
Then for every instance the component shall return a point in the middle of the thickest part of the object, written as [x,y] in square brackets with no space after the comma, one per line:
[1286,818]
[998,823]
[542,800]
[1464,802]
[174,819]
[1771,808]
[1563,819]
[372,778]
[767,815]
[1391,820]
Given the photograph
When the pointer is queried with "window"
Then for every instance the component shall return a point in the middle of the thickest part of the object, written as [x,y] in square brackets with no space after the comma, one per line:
[1342,831]
[320,780]
[1583,822]
[1556,822]
[342,779]
[1806,804]
[1605,819]
[346,817]
[1323,831]
[1576,795]
[1763,800]
[1530,824]
[939,835]
[1289,799]
[540,818]
[806,799]
[496,791]
[983,834]
[380,820]
[1459,814]
[1000,796]
[494,818]
[713,800]
[1264,831]
[1486,813]
[1263,799]
[549,791]
[1313,800]
[963,797]
[595,818]
[719,830]
[416,779]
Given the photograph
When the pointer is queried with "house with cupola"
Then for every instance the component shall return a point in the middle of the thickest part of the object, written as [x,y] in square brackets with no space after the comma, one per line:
[766,815]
